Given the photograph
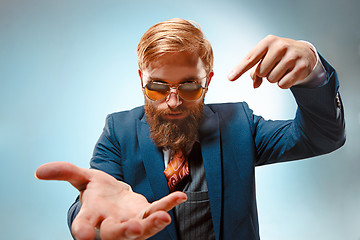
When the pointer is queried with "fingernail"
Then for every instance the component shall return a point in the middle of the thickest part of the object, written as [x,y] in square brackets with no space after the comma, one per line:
[181,200]
[159,222]
[231,75]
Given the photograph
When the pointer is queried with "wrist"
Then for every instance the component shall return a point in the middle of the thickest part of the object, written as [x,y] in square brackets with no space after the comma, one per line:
[317,76]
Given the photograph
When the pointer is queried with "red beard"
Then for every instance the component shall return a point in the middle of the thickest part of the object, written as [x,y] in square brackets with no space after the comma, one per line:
[177,133]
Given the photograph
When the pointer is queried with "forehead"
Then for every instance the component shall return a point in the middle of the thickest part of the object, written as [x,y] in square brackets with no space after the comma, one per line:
[175,67]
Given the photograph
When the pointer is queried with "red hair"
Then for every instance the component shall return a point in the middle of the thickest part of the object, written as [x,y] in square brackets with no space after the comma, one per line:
[173,36]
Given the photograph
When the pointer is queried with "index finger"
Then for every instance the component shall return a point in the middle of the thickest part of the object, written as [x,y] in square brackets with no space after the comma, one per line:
[63,171]
[252,58]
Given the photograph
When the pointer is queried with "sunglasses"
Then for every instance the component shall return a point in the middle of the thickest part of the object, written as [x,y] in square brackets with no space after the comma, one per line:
[189,91]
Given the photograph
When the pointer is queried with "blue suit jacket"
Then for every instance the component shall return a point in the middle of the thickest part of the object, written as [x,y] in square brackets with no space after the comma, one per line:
[233,141]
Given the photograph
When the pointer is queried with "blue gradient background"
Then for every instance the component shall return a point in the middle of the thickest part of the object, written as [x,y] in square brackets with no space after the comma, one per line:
[64,65]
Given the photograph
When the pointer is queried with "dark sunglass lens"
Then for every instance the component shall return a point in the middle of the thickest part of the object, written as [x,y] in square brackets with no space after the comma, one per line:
[157,87]
[156,91]
[190,91]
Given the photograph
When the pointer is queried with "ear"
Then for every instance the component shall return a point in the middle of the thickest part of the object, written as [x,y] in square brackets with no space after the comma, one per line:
[140,75]
[211,74]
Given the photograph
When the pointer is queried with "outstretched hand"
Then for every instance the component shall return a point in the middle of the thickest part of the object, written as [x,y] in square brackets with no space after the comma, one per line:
[109,205]
[280,60]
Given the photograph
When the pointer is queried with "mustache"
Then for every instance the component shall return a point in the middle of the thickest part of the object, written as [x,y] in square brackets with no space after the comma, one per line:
[179,109]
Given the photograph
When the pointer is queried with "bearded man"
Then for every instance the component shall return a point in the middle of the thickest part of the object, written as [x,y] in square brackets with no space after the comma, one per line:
[178,169]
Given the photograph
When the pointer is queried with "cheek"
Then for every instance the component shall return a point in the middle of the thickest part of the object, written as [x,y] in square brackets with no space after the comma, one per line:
[187,106]
[191,105]
[155,105]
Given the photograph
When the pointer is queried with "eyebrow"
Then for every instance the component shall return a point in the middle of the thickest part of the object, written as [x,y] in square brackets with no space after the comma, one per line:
[184,80]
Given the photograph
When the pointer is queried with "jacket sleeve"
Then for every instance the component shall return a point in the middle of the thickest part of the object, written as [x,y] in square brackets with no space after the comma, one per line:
[318,127]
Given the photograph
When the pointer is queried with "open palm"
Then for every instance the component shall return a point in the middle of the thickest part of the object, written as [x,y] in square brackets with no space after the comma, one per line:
[109,205]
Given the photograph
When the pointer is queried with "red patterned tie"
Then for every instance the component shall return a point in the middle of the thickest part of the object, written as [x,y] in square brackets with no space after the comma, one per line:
[177,169]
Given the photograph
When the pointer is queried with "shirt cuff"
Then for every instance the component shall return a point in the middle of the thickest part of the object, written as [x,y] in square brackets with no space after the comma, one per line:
[317,77]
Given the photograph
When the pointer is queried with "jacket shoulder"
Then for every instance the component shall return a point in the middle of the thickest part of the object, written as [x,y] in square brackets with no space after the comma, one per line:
[135,113]
[231,110]
[122,124]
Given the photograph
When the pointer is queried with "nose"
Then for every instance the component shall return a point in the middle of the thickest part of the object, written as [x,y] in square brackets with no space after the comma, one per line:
[173,100]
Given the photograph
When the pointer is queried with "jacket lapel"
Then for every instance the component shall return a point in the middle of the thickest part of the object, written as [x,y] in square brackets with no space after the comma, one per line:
[211,153]
[154,166]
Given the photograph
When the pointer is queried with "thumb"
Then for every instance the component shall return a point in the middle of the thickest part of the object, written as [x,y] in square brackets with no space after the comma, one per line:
[64,171]
[257,81]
